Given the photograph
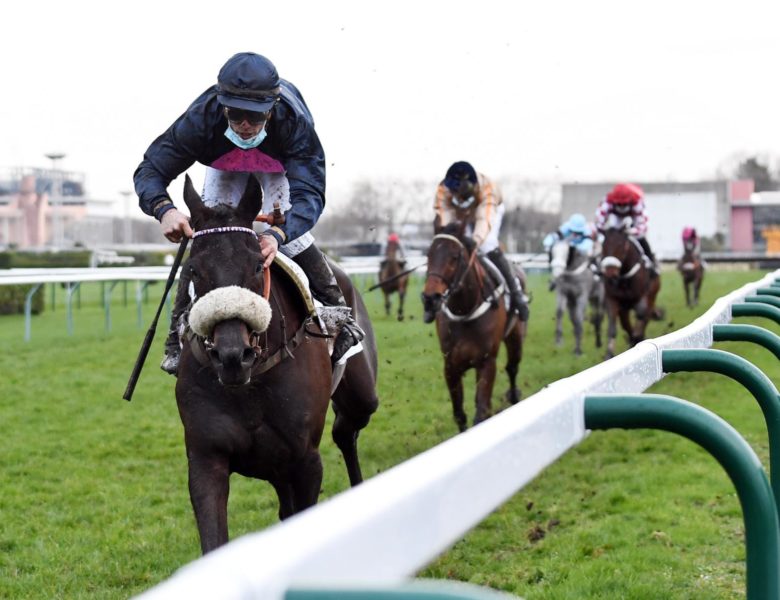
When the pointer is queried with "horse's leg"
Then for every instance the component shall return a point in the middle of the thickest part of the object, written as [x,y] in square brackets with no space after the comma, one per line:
[306,481]
[559,300]
[697,287]
[284,492]
[514,354]
[354,401]
[454,378]
[687,286]
[612,310]
[597,314]
[209,488]
[486,378]
[401,296]
[577,316]
[387,303]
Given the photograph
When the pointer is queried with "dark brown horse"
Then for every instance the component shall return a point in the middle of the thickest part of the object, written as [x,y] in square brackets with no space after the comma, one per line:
[629,286]
[692,271]
[253,389]
[390,282]
[471,320]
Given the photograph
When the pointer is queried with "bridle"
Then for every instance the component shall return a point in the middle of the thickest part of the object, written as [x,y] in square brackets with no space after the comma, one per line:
[627,244]
[453,287]
[237,229]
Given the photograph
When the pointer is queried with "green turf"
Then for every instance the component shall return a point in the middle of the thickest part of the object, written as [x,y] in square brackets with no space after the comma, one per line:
[93,493]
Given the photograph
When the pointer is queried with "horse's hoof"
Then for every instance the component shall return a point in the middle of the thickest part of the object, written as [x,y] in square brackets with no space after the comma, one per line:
[400,317]
[577,352]
[513,396]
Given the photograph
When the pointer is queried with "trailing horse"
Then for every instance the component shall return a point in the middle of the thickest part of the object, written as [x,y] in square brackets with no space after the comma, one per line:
[255,377]
[629,285]
[576,287]
[390,278]
[692,271]
[472,321]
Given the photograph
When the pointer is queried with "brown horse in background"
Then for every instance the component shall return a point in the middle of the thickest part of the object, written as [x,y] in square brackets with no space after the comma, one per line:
[472,321]
[692,271]
[628,286]
[389,281]
[254,401]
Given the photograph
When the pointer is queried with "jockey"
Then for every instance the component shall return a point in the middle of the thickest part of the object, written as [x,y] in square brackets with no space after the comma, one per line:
[626,200]
[576,231]
[470,197]
[394,239]
[691,241]
[251,123]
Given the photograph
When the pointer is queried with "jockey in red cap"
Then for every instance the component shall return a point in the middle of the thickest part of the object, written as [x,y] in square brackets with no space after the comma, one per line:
[626,200]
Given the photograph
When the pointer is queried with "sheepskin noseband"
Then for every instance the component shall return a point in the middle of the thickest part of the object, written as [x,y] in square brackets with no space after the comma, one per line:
[230,302]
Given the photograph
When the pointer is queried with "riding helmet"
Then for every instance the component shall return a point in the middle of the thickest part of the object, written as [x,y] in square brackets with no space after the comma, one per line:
[248,81]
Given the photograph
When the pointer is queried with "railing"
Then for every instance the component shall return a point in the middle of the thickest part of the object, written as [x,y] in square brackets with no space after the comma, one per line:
[370,540]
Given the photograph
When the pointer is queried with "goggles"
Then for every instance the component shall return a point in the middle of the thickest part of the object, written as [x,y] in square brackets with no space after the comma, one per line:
[238,115]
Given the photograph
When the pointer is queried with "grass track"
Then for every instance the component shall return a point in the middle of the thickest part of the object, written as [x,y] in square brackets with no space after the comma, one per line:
[93,493]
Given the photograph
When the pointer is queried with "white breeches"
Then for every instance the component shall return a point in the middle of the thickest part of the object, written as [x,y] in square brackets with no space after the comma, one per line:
[491,241]
[227,187]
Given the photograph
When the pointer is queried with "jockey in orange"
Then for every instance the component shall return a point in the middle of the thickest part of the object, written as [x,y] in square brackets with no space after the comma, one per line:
[471,198]
[626,200]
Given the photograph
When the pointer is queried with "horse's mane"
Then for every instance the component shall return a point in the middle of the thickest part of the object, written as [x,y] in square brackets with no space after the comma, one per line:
[455,230]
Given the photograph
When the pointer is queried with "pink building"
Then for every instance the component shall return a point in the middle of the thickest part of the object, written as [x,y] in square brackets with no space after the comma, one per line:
[37,206]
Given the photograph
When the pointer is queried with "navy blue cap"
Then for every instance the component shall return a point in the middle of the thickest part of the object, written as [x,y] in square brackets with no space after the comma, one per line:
[458,172]
[248,81]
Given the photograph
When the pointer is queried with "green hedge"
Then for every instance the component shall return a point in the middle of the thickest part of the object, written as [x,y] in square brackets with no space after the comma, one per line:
[30,260]
[12,299]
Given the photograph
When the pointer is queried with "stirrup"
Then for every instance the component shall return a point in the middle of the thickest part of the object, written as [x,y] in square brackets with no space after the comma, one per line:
[170,362]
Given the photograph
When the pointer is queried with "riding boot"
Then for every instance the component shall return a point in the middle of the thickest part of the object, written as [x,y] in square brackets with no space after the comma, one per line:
[649,253]
[517,300]
[324,288]
[170,362]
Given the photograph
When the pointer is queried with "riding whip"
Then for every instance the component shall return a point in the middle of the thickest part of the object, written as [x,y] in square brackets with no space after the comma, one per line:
[139,363]
[393,278]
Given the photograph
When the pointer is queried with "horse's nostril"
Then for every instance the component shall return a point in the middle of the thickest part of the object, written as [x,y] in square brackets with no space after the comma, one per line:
[249,355]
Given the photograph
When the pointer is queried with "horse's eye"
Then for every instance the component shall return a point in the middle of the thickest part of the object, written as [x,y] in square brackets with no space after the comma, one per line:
[193,273]
[259,267]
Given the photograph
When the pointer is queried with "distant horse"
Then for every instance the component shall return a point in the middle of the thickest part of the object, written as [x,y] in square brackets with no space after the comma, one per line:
[389,270]
[471,320]
[254,383]
[628,286]
[692,271]
[576,286]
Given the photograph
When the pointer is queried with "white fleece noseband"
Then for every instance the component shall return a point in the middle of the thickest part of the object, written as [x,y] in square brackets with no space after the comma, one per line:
[230,302]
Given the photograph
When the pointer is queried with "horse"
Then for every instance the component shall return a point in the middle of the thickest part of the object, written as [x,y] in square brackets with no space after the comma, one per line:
[576,287]
[629,285]
[255,377]
[389,281]
[472,321]
[692,271]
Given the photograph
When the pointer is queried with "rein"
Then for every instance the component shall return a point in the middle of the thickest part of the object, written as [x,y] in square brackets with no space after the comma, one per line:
[481,308]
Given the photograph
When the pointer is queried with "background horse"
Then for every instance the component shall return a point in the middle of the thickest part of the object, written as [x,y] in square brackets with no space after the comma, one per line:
[692,271]
[252,391]
[628,286]
[389,268]
[471,320]
[576,286]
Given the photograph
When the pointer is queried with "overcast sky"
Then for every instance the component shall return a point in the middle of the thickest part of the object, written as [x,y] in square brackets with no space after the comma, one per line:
[580,90]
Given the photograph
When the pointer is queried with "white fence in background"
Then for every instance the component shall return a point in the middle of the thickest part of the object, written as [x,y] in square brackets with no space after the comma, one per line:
[386,529]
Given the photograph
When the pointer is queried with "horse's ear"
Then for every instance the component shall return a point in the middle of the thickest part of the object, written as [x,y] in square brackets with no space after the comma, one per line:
[251,200]
[192,198]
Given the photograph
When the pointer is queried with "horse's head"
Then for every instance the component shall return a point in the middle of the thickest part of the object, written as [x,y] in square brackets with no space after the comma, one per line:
[226,271]
[616,248]
[448,258]
[559,258]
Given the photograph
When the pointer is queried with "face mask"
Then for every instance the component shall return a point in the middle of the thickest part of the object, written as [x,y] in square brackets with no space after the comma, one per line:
[252,142]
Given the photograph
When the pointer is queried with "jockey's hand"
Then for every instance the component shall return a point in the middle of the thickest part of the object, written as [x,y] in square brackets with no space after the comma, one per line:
[174,225]
[269,246]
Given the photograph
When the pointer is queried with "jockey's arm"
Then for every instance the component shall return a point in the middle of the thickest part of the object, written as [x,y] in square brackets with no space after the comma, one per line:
[483,214]
[442,207]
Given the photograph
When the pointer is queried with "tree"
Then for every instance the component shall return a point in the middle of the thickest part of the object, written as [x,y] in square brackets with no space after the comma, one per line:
[753,168]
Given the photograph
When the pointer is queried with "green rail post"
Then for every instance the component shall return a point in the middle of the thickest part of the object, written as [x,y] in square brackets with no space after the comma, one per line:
[732,332]
[768,291]
[744,372]
[420,589]
[765,298]
[107,291]
[762,536]
[756,309]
